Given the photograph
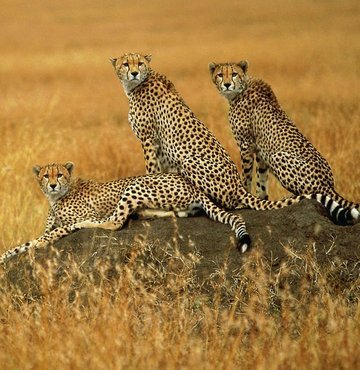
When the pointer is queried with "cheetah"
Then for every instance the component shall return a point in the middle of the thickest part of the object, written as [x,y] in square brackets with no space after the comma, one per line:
[77,203]
[174,140]
[264,132]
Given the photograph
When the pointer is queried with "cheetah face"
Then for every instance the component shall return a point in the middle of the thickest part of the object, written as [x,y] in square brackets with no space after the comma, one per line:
[54,179]
[229,78]
[132,70]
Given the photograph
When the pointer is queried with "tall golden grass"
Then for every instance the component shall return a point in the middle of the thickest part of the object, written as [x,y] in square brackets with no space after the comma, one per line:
[154,313]
[60,101]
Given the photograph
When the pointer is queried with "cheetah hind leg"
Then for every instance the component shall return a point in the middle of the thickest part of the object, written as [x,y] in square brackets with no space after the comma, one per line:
[147,213]
[195,209]
[117,220]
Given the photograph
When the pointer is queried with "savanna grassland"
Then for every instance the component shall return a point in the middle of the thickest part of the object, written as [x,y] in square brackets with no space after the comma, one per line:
[60,101]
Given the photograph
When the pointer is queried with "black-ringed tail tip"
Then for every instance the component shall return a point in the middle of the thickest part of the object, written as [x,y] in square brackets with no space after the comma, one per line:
[345,216]
[340,215]
[244,243]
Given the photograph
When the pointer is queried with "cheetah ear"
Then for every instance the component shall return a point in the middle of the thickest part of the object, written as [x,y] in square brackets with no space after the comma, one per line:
[69,166]
[212,67]
[148,57]
[36,169]
[113,61]
[244,65]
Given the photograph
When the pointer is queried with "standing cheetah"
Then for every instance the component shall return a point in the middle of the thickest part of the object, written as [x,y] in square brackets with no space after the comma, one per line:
[173,139]
[262,129]
[77,203]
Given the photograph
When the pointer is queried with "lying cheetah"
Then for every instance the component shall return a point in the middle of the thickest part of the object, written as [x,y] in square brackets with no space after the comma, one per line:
[77,203]
[263,130]
[173,139]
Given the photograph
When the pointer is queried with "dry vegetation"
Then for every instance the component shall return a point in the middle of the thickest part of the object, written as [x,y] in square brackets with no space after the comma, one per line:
[153,312]
[60,101]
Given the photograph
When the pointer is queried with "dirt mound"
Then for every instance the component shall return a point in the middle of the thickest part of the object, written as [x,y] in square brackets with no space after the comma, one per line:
[290,234]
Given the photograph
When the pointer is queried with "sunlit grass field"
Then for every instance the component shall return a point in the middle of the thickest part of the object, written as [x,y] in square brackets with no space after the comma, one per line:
[60,101]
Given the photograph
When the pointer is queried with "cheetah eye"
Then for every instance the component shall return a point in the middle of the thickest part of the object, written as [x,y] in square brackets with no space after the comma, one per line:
[234,74]
[140,64]
[220,75]
[46,176]
[126,64]
[59,175]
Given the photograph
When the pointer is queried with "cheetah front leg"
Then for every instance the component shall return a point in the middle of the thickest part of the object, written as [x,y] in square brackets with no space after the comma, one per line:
[262,178]
[41,242]
[150,156]
[247,159]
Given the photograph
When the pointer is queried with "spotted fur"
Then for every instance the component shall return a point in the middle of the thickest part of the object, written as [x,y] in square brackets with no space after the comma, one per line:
[173,139]
[76,203]
[264,132]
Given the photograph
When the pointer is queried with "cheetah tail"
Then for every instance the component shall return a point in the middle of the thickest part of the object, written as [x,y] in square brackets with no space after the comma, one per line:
[234,220]
[344,202]
[339,214]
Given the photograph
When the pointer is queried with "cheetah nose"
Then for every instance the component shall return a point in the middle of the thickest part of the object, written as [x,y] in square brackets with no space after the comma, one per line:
[53,186]
[134,73]
[227,85]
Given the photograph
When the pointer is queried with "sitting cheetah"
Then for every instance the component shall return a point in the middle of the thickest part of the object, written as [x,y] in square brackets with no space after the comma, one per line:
[262,129]
[77,203]
[173,139]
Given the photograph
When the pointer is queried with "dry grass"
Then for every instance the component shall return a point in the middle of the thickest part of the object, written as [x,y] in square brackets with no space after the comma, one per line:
[60,101]
[154,312]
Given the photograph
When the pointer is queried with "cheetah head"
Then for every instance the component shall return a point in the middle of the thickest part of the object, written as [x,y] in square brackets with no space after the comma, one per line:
[229,78]
[132,69]
[54,179]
